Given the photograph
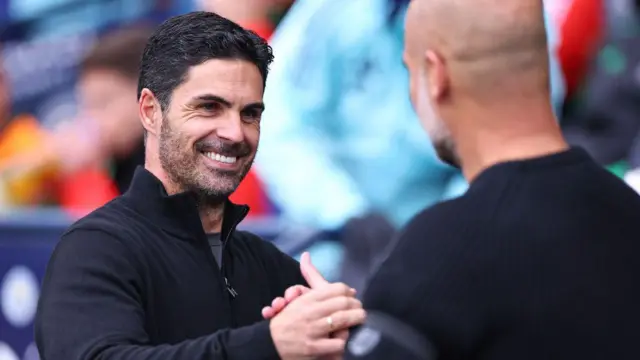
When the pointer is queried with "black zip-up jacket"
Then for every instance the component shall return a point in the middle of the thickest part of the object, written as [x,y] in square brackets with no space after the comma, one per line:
[136,279]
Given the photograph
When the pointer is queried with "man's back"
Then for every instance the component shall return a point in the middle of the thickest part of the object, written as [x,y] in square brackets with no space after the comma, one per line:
[537,260]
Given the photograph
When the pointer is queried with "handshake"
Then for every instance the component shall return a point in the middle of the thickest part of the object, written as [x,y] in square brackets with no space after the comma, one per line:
[313,323]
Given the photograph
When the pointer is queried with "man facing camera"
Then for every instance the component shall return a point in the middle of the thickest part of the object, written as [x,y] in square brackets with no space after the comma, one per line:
[161,272]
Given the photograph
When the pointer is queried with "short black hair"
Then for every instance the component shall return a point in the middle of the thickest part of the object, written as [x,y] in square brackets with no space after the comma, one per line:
[191,39]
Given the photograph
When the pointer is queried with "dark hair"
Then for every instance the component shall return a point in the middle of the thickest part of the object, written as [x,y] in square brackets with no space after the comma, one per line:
[191,39]
[120,51]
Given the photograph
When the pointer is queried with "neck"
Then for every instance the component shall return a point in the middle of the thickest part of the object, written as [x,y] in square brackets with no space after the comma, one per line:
[211,217]
[211,214]
[509,131]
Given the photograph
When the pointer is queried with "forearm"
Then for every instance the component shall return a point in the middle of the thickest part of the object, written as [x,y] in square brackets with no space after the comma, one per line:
[250,342]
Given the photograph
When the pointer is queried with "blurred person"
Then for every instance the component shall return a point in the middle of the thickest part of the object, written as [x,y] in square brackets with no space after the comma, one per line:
[605,122]
[344,149]
[108,130]
[161,272]
[18,135]
[256,15]
[95,155]
[537,260]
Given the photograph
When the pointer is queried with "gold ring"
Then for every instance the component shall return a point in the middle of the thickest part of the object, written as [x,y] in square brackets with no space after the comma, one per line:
[330,322]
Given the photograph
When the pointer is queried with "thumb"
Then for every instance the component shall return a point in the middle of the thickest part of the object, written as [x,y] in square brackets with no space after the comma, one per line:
[310,273]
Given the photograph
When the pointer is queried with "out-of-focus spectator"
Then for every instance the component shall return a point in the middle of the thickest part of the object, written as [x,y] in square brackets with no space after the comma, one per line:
[108,114]
[340,139]
[18,135]
[106,135]
[259,16]
[606,121]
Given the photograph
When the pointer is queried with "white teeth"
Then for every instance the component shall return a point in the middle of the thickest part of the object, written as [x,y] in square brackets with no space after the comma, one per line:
[221,158]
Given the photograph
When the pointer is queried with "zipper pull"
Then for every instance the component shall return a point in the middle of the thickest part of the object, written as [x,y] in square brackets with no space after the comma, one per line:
[230,289]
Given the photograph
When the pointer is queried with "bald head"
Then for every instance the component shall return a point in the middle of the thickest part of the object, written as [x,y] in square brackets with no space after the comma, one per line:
[485,44]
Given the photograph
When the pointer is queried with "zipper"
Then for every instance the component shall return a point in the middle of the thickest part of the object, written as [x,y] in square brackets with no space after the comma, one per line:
[227,284]
[230,288]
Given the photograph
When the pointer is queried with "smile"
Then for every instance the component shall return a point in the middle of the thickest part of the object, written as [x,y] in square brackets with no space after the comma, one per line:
[221,158]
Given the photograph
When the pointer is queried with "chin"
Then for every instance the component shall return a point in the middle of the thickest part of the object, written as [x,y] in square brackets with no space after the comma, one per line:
[447,154]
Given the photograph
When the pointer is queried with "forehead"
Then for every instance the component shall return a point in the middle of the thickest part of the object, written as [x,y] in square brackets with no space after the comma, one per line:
[235,80]
[97,83]
[105,77]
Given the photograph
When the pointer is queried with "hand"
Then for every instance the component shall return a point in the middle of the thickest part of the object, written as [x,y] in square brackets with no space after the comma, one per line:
[279,303]
[316,280]
[301,330]
[313,277]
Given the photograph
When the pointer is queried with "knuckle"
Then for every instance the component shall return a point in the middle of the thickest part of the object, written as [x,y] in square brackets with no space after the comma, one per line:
[343,288]
[356,304]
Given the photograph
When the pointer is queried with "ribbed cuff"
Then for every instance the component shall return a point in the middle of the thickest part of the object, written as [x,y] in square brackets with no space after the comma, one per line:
[253,342]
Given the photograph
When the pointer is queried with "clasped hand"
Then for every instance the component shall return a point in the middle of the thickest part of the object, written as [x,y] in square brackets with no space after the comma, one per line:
[310,323]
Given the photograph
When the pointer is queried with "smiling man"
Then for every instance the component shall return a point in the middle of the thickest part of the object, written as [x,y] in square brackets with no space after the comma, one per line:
[161,272]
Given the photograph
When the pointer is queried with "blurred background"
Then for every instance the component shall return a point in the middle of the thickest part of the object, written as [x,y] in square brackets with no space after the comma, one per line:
[343,162]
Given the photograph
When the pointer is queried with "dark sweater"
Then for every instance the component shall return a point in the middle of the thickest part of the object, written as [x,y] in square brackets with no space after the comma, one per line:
[538,260]
[136,280]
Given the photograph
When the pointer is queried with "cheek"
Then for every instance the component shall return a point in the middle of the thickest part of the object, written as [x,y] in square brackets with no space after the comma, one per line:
[252,134]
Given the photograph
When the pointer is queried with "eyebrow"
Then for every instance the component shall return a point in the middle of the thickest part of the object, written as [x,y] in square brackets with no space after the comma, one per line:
[226,103]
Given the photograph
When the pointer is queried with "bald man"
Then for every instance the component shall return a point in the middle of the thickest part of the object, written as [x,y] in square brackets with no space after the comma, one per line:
[539,259]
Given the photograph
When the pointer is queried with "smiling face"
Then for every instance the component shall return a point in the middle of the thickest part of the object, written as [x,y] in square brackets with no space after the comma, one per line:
[210,131]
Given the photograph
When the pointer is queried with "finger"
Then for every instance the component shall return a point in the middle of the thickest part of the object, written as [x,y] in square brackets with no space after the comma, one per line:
[268,312]
[310,273]
[340,320]
[328,307]
[325,346]
[278,304]
[294,292]
[330,291]
[341,334]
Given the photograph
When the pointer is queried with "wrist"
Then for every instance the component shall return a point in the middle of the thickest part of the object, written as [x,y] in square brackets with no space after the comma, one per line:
[259,344]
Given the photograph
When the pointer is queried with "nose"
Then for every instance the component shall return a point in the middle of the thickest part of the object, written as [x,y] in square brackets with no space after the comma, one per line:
[231,129]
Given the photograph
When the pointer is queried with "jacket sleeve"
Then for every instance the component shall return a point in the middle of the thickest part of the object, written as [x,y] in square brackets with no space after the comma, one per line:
[91,308]
[296,159]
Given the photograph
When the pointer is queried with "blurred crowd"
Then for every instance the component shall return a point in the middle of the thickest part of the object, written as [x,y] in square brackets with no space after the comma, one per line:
[341,147]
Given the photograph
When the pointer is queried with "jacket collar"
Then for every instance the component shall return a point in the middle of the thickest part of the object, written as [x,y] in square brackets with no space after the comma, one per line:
[176,214]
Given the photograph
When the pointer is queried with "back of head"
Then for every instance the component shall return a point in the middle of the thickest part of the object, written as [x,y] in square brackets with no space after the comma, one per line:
[480,78]
[490,47]
[191,39]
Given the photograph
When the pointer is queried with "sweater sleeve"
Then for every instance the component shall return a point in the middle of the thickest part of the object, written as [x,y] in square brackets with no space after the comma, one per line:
[91,307]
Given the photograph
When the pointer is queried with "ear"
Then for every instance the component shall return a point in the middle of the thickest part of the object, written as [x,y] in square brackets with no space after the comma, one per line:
[150,112]
[437,76]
